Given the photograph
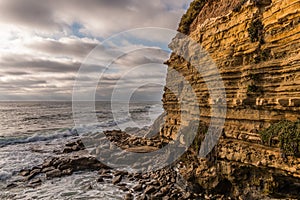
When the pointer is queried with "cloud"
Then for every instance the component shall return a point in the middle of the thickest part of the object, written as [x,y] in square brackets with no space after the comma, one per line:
[43,44]
[36,65]
[71,47]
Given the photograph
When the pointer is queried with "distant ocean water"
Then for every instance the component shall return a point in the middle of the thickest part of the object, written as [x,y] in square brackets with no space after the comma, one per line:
[31,131]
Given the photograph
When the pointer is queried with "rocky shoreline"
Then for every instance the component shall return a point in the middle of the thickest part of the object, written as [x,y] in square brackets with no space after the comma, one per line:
[166,183]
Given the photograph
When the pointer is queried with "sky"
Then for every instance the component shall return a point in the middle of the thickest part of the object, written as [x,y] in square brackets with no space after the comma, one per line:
[44,43]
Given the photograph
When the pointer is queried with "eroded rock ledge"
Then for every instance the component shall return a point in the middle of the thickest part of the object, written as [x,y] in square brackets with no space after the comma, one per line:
[255,45]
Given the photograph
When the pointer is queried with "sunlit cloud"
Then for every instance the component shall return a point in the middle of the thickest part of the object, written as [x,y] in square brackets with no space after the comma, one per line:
[43,43]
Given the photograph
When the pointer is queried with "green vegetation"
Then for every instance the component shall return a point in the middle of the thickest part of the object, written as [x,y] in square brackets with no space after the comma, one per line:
[191,14]
[288,134]
[255,31]
[262,56]
[254,77]
[253,89]
[265,54]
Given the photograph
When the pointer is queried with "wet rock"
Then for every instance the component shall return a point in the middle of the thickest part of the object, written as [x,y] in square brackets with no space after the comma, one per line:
[70,144]
[142,149]
[128,196]
[33,173]
[24,172]
[74,146]
[67,172]
[173,180]
[11,185]
[165,189]
[54,173]
[104,171]
[124,188]
[117,180]
[149,189]
[47,169]
[138,187]
[122,173]
[187,195]
[88,187]
[100,180]
[35,181]
[137,175]
[122,184]
[158,195]
[167,197]
[106,176]
[67,150]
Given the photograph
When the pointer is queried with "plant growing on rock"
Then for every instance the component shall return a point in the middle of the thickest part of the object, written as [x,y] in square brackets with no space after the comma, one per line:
[288,134]
[253,89]
[191,14]
[255,31]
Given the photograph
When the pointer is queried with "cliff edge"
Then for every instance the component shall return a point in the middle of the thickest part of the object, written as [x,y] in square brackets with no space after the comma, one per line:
[255,45]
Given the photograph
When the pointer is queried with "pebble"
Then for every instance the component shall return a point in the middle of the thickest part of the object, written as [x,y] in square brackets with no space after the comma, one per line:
[100,180]
[149,189]
[138,187]
[53,173]
[128,196]
[117,180]
[24,172]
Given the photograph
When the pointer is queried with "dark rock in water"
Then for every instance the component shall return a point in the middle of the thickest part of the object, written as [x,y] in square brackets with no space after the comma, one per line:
[107,176]
[67,150]
[124,188]
[122,184]
[158,195]
[74,146]
[143,197]
[150,189]
[137,175]
[104,171]
[54,173]
[100,180]
[88,187]
[24,172]
[35,181]
[47,169]
[33,173]
[117,180]
[11,185]
[187,195]
[117,173]
[128,196]
[70,144]
[138,187]
[165,189]
[67,172]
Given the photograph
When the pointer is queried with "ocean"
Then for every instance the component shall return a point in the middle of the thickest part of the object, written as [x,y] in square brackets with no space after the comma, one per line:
[31,131]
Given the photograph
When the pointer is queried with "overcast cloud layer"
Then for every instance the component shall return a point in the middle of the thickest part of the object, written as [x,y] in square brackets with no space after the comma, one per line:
[44,42]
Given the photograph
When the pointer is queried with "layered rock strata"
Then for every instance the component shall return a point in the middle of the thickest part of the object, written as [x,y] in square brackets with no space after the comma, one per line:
[255,45]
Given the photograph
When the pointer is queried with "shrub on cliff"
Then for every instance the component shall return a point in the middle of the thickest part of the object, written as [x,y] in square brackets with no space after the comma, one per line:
[288,134]
[191,14]
[255,31]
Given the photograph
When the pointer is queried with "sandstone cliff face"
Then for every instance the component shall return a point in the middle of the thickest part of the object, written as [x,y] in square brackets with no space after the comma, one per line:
[255,45]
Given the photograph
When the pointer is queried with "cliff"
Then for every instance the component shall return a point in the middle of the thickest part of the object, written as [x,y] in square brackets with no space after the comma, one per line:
[255,45]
